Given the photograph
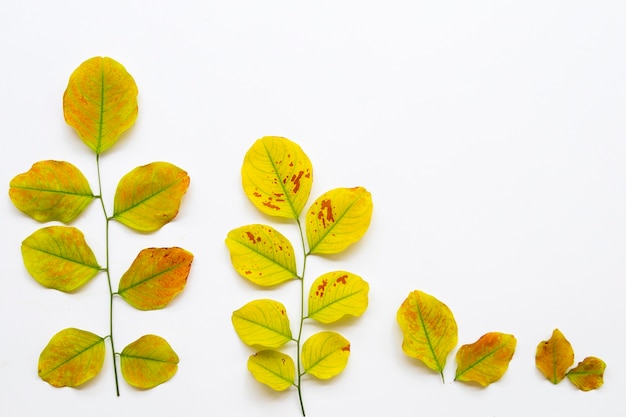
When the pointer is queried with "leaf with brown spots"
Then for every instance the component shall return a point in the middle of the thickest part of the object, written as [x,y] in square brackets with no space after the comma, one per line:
[262,323]
[148,361]
[325,354]
[588,374]
[337,294]
[486,360]
[272,368]
[554,357]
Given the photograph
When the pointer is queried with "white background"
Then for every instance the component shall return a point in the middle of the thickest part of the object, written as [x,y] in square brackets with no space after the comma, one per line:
[491,135]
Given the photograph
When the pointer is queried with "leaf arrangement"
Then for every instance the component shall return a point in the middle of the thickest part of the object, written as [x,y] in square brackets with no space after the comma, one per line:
[277,177]
[100,103]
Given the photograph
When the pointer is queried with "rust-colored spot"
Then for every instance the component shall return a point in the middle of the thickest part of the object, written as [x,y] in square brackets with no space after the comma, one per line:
[257,194]
[342,279]
[247,272]
[296,181]
[346,348]
[251,237]
[270,205]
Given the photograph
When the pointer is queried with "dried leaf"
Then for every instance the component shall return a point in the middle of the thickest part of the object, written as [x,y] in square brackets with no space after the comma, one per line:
[272,368]
[554,357]
[588,374]
[148,362]
[486,360]
[337,294]
[262,323]
[325,354]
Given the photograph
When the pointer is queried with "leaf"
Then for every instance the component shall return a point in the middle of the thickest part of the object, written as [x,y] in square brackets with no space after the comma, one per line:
[588,374]
[100,102]
[277,177]
[149,196]
[51,191]
[429,329]
[261,254]
[337,294]
[272,368]
[58,257]
[71,358]
[148,362]
[486,360]
[338,219]
[155,277]
[554,357]
[325,354]
[262,323]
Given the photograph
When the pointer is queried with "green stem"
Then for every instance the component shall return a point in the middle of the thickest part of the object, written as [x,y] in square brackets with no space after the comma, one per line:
[302,317]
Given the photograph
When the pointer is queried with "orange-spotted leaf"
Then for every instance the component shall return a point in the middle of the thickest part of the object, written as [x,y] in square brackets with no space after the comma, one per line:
[277,177]
[486,360]
[261,254]
[338,219]
[262,323]
[71,358]
[325,354]
[272,368]
[51,191]
[588,374]
[149,196]
[148,362]
[554,357]
[429,329]
[155,277]
[100,102]
[58,257]
[337,294]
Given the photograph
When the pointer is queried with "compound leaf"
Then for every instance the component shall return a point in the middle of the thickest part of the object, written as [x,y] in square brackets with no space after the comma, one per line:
[148,362]
[262,323]
[554,357]
[337,294]
[325,354]
[588,374]
[486,360]
[273,368]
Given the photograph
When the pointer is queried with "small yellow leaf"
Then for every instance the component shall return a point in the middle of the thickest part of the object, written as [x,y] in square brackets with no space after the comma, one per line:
[588,374]
[277,177]
[100,102]
[337,294]
[554,357]
[272,368]
[325,354]
[148,362]
[262,323]
[71,358]
[155,277]
[486,360]
[261,254]
[338,219]
[149,196]
[58,257]
[51,191]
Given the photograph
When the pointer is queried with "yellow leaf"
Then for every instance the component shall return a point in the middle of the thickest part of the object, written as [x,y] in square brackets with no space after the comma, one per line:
[148,362]
[277,177]
[337,294]
[149,196]
[262,323]
[486,360]
[338,219]
[51,191]
[155,277]
[261,254]
[429,329]
[325,354]
[588,374]
[272,368]
[100,102]
[554,357]
[71,358]
[58,257]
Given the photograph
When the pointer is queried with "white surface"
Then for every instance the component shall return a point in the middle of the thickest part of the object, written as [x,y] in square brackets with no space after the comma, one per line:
[490,133]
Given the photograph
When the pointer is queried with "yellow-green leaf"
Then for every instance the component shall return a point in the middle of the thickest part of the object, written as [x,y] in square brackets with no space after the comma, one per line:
[272,368]
[71,358]
[261,254]
[429,329]
[262,323]
[325,354]
[588,374]
[277,177]
[100,102]
[337,294]
[149,196]
[58,257]
[554,357]
[155,277]
[338,219]
[51,191]
[148,362]
[486,360]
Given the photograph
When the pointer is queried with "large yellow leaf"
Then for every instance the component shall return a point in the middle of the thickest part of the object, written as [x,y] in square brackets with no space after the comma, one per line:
[261,254]
[148,362]
[325,354]
[71,358]
[262,323]
[337,294]
[338,219]
[554,357]
[100,102]
[272,368]
[155,277]
[486,360]
[51,191]
[277,177]
[58,257]
[149,196]
[588,374]
[429,329]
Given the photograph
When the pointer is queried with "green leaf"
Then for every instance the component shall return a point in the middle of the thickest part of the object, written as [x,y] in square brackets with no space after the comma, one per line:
[272,368]
[325,354]
[148,362]
[486,360]
[588,374]
[262,323]
[337,294]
